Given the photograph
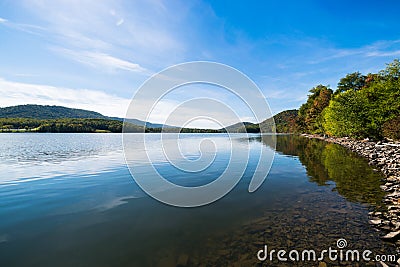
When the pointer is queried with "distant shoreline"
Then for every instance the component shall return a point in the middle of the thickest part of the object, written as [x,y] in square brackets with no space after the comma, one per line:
[101,125]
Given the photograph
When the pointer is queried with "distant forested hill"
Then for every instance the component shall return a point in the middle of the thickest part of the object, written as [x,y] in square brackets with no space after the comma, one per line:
[58,119]
[242,128]
[285,122]
[55,119]
[48,112]
[143,123]
[58,112]
[38,118]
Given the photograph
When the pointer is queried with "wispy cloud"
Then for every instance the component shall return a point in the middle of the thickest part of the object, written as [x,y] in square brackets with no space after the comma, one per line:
[108,30]
[275,94]
[109,27]
[383,48]
[29,28]
[102,60]
[383,53]
[119,22]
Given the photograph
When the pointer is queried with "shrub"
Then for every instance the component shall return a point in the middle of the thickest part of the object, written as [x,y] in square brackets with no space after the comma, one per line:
[391,128]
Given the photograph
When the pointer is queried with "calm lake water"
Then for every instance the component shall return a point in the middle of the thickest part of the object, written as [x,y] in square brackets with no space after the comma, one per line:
[69,200]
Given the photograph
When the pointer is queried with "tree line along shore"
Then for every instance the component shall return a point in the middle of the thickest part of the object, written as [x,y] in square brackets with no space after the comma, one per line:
[363,106]
[81,125]
[363,115]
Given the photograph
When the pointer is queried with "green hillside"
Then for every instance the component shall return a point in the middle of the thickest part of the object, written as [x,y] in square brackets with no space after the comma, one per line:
[285,122]
[242,128]
[48,112]
[41,112]
[58,119]
[38,118]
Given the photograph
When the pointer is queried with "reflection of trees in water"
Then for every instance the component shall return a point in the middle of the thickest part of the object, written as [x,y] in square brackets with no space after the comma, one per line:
[354,178]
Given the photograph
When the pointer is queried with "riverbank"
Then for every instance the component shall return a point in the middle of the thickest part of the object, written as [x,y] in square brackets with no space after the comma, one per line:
[385,157]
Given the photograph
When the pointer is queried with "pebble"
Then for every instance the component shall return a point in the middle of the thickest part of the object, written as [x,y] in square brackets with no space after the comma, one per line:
[391,235]
[375,222]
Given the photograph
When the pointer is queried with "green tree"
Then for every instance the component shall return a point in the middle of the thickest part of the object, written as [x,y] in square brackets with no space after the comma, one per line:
[392,71]
[362,113]
[310,113]
[345,115]
[353,81]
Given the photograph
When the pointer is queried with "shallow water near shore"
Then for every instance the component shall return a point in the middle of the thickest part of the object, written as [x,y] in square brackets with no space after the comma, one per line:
[69,200]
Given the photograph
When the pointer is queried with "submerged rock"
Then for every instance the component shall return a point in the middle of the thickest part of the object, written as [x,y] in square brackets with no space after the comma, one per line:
[385,157]
[376,222]
[392,235]
[183,260]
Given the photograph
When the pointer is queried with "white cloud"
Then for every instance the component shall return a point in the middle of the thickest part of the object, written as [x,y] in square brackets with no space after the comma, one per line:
[275,94]
[383,48]
[102,60]
[29,28]
[119,22]
[146,31]
[16,93]
[383,53]
[191,113]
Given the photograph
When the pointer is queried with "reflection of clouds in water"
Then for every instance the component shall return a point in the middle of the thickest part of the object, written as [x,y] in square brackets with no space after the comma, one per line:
[183,146]
[74,162]
[37,148]
[113,203]
[31,156]
[3,238]
[84,167]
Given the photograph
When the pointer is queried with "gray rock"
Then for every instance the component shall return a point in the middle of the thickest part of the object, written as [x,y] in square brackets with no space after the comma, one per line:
[392,235]
[375,222]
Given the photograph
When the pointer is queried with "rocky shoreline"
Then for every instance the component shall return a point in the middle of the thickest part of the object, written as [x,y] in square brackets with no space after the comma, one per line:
[385,157]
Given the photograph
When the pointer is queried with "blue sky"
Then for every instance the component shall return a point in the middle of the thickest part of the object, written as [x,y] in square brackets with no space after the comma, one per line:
[95,54]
